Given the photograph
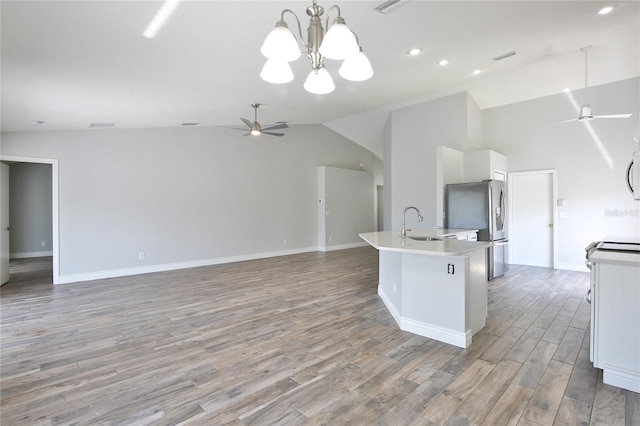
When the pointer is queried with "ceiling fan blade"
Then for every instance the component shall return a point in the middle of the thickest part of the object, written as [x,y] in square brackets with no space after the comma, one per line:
[613,116]
[566,121]
[273,133]
[276,126]
[245,121]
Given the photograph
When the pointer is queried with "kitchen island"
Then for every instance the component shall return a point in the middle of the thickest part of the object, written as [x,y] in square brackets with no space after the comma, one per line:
[432,285]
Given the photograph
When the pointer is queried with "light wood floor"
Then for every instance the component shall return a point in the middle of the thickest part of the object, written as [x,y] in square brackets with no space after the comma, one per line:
[301,339]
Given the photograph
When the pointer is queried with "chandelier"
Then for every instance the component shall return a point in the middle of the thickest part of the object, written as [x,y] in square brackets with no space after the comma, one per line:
[338,43]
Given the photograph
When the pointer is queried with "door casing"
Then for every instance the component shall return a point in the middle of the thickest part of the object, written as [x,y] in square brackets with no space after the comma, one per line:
[54,205]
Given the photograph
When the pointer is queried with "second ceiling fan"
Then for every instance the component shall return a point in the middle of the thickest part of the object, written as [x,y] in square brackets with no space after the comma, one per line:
[586,114]
[256,129]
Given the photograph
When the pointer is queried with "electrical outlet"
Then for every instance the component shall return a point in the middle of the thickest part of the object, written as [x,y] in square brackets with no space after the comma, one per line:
[141,255]
[450,269]
[284,243]
[43,243]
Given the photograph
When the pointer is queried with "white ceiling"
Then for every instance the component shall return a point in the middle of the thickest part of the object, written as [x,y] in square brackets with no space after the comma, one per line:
[72,63]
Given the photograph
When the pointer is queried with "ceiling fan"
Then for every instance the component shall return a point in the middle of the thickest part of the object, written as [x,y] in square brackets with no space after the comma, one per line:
[256,129]
[586,114]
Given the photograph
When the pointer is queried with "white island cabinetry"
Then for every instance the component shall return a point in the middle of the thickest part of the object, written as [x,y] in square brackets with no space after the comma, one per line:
[433,288]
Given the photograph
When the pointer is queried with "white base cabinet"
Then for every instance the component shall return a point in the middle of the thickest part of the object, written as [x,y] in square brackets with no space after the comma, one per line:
[440,297]
[615,318]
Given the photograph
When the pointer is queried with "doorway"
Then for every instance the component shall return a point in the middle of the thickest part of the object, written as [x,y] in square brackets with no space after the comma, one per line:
[54,209]
[532,230]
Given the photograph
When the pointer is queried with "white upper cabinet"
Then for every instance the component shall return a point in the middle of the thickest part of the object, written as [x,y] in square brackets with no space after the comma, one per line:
[484,164]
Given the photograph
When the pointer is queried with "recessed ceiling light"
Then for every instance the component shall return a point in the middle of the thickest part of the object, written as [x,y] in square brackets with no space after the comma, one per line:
[36,122]
[476,72]
[605,10]
[414,52]
[443,62]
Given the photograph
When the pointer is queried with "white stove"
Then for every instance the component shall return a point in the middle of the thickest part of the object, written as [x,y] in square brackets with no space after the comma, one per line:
[614,296]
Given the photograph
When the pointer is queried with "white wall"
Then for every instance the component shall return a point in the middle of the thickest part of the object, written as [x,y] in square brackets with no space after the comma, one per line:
[345,207]
[591,183]
[183,196]
[411,155]
[591,180]
[30,210]
[388,175]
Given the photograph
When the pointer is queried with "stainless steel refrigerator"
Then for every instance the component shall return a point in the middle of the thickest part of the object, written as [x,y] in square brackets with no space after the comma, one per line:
[482,206]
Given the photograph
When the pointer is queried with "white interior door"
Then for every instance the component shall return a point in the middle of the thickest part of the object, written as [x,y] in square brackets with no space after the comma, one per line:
[532,232]
[4,223]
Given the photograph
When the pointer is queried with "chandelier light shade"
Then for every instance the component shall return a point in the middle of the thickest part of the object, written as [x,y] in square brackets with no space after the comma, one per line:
[356,68]
[319,82]
[281,44]
[276,71]
[338,43]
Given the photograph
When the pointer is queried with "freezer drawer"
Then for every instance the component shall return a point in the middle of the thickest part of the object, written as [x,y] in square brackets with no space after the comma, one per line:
[497,259]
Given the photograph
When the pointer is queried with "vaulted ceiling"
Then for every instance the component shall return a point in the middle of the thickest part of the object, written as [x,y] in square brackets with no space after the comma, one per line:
[73,63]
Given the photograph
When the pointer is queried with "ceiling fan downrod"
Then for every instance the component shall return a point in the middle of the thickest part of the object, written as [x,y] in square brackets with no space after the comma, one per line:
[256,129]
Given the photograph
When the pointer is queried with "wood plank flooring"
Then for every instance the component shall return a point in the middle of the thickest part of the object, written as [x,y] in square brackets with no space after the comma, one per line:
[294,340]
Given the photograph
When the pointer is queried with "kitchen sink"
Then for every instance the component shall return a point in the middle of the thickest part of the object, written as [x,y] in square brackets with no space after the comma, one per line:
[417,238]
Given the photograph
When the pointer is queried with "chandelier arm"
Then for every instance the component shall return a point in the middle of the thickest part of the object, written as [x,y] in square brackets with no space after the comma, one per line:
[304,43]
[357,39]
[326,22]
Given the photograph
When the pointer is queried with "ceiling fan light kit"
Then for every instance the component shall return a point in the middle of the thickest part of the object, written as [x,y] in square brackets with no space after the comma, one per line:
[585,113]
[338,43]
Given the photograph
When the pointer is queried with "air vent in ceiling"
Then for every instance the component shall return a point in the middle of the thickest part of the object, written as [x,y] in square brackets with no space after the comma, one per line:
[505,55]
[101,125]
[189,124]
[388,6]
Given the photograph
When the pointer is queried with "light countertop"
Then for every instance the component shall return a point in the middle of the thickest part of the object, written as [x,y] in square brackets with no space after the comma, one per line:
[391,241]
[440,232]
[606,256]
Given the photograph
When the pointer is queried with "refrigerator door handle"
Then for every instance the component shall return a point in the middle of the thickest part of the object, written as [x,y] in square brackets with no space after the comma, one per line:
[629,177]
[501,216]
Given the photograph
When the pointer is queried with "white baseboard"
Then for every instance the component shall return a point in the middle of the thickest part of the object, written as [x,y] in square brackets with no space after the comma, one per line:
[621,378]
[342,246]
[462,340]
[26,255]
[113,273]
[390,307]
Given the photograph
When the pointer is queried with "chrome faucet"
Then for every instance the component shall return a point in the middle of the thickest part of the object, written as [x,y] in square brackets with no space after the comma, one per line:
[403,231]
